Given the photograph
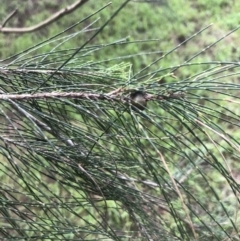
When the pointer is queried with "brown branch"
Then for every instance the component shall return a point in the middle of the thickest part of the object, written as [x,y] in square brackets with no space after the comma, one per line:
[112,96]
[45,95]
[44,23]
[8,18]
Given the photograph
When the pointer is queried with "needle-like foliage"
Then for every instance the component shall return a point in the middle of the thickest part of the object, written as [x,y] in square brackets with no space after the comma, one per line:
[81,161]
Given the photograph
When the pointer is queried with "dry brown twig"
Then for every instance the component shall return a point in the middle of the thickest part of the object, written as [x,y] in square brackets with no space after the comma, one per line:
[111,96]
[8,18]
[42,24]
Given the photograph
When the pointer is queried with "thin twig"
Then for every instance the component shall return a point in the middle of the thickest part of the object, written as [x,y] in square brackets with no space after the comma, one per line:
[112,96]
[179,194]
[44,23]
[45,95]
[8,18]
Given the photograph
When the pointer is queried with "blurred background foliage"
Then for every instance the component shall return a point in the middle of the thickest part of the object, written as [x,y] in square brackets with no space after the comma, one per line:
[168,23]
[137,49]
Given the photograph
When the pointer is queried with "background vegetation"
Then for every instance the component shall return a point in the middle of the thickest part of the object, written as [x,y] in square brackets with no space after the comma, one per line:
[169,172]
[169,23]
